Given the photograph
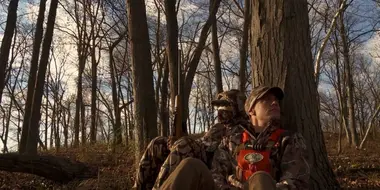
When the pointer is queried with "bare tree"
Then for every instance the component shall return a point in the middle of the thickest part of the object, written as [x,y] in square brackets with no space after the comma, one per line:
[32,77]
[143,92]
[7,41]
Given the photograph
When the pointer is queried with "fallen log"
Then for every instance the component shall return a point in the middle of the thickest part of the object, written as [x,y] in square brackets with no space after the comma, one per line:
[58,169]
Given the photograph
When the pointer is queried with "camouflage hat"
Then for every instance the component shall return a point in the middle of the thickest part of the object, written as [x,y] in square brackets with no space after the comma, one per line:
[260,91]
[230,98]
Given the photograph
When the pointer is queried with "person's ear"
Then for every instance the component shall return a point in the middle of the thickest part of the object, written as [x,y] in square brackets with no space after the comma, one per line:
[252,113]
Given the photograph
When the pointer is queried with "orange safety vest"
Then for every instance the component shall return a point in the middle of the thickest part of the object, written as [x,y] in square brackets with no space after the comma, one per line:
[251,161]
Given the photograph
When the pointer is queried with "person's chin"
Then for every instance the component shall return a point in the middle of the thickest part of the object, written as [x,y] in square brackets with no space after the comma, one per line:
[275,116]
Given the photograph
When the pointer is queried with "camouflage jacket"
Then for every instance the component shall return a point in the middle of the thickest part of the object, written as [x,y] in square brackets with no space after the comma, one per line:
[289,162]
[203,148]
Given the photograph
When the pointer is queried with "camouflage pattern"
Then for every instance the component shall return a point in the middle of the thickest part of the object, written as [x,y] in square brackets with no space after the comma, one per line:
[260,91]
[158,161]
[149,166]
[183,148]
[289,161]
[233,98]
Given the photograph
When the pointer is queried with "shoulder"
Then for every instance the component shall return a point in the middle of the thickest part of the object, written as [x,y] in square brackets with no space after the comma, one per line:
[294,139]
[215,132]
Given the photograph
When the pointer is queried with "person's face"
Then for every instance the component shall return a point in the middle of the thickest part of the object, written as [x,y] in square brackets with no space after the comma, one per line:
[267,108]
[225,115]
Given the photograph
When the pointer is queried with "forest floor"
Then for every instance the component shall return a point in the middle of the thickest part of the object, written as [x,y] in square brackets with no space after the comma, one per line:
[355,169]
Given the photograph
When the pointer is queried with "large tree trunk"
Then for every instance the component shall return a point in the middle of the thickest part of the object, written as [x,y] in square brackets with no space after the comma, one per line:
[244,46]
[142,74]
[216,56]
[7,41]
[349,84]
[281,56]
[33,135]
[32,76]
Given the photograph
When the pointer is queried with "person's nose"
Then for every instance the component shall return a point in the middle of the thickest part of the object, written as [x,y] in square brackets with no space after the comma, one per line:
[275,103]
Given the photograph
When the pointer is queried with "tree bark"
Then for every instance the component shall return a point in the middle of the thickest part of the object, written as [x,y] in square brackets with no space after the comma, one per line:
[244,46]
[94,85]
[32,76]
[115,98]
[216,54]
[142,74]
[350,85]
[172,48]
[281,56]
[164,108]
[82,49]
[33,135]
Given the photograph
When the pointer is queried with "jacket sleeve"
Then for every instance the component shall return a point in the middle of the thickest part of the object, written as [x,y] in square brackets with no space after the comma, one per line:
[295,170]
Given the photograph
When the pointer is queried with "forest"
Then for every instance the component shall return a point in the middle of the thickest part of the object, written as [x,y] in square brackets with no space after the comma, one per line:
[86,84]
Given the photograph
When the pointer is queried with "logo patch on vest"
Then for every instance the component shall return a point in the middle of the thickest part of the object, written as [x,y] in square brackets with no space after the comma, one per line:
[253,157]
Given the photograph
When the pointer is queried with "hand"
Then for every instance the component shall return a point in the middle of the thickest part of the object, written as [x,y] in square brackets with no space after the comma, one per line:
[235,182]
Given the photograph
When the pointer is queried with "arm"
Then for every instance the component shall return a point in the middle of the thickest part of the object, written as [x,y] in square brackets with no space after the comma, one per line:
[221,168]
[295,170]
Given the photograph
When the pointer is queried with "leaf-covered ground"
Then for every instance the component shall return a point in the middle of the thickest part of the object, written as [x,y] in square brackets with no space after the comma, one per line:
[355,169]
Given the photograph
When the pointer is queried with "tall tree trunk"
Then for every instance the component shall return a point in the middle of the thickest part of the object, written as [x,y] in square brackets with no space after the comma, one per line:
[196,106]
[172,48]
[82,49]
[47,107]
[340,138]
[164,109]
[52,129]
[33,135]
[32,76]
[94,85]
[66,125]
[281,56]
[78,103]
[83,123]
[131,124]
[7,41]
[160,65]
[59,115]
[340,91]
[115,99]
[210,113]
[142,74]
[349,83]
[216,55]
[244,46]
